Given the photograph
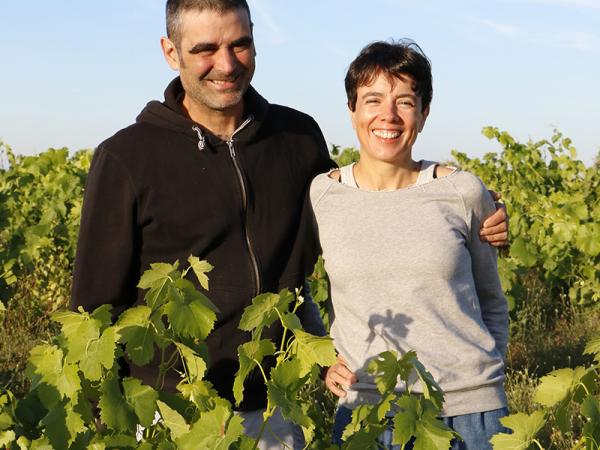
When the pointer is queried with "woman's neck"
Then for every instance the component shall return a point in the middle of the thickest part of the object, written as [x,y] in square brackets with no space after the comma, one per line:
[383,176]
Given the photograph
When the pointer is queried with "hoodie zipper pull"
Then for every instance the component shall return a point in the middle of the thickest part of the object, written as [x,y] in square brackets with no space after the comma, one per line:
[201,138]
[231,148]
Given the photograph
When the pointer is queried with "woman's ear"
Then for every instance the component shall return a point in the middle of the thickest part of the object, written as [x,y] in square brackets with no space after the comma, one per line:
[425,114]
[352,119]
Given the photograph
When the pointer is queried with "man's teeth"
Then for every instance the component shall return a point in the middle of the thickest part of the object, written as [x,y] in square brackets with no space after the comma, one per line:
[223,81]
[386,134]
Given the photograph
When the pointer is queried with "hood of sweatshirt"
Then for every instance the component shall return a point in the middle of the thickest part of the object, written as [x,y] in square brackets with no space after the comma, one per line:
[170,115]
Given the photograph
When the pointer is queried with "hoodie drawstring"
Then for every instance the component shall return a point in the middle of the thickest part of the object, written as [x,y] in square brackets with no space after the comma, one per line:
[201,138]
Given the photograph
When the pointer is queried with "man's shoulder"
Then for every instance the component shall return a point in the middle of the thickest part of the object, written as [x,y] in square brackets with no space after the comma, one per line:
[283,109]
[124,135]
[127,140]
[291,118]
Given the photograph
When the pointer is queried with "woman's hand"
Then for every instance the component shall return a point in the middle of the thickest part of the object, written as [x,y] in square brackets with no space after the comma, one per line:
[339,377]
[495,228]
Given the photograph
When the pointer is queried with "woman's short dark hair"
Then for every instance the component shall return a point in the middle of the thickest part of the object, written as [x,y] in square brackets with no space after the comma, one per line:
[394,59]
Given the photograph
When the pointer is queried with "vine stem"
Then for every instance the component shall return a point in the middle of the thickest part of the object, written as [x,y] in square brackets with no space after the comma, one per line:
[284,334]
[584,387]
[261,370]
[160,368]
[266,416]
[164,367]
[536,442]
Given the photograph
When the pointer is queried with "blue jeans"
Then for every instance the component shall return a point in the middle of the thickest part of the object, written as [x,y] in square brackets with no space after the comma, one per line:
[475,429]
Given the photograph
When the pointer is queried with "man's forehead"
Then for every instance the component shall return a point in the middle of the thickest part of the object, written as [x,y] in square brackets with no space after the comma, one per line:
[213,19]
[213,27]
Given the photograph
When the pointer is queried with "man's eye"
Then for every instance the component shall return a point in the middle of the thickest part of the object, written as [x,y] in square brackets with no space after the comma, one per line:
[372,100]
[203,51]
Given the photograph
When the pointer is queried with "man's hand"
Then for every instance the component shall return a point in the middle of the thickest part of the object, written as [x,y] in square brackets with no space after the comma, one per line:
[495,228]
[338,377]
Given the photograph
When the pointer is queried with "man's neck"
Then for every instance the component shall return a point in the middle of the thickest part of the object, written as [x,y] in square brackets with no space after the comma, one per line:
[220,123]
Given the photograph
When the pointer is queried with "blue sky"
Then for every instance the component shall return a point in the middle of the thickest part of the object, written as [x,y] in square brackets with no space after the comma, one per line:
[74,72]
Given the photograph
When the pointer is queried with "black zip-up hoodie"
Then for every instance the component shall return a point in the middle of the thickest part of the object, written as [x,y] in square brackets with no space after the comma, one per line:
[163,189]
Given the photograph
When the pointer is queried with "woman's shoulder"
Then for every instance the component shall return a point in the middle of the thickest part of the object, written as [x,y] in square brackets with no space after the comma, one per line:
[471,188]
[442,171]
[320,184]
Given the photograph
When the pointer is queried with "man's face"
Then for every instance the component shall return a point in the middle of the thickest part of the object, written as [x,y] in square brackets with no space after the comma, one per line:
[215,58]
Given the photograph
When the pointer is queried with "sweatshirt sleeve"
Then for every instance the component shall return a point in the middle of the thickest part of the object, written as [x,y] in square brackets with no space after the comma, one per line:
[309,314]
[484,263]
[107,260]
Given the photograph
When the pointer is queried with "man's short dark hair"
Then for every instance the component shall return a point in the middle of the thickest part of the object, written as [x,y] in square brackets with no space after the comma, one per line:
[393,59]
[176,7]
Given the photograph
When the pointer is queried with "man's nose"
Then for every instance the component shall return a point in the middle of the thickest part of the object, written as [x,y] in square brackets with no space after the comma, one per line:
[226,61]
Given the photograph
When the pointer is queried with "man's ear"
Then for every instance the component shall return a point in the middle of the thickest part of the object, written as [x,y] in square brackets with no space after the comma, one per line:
[170,52]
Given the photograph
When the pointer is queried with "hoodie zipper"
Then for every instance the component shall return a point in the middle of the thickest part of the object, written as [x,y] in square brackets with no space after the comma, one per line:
[240,178]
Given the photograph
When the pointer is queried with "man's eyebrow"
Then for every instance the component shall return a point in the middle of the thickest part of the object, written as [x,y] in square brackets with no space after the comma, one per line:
[243,41]
[211,46]
[203,47]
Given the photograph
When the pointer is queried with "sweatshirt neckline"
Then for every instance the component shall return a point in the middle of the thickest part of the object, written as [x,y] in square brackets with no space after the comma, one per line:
[390,192]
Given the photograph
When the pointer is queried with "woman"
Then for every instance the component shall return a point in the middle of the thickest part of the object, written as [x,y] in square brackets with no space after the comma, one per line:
[401,247]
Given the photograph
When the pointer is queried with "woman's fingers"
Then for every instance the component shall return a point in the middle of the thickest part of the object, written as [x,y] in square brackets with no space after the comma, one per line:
[339,377]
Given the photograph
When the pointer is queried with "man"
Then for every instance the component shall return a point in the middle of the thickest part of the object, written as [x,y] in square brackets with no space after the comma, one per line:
[214,171]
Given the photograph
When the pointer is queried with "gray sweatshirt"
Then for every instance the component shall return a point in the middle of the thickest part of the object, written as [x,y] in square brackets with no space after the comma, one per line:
[408,272]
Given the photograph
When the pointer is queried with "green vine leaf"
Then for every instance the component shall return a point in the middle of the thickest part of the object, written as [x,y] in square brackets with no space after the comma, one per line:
[524,430]
[249,354]
[590,408]
[387,368]
[46,365]
[191,314]
[136,331]
[291,321]
[156,275]
[7,437]
[98,354]
[172,420]
[312,350]
[282,391]
[557,385]
[200,393]
[593,348]
[195,364]
[431,390]
[264,311]
[115,411]
[78,329]
[103,315]
[217,429]
[418,419]
[142,399]
[200,268]
[158,280]
[62,424]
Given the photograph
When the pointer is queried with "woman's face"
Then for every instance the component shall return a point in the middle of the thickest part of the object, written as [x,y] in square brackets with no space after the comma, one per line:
[387,119]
